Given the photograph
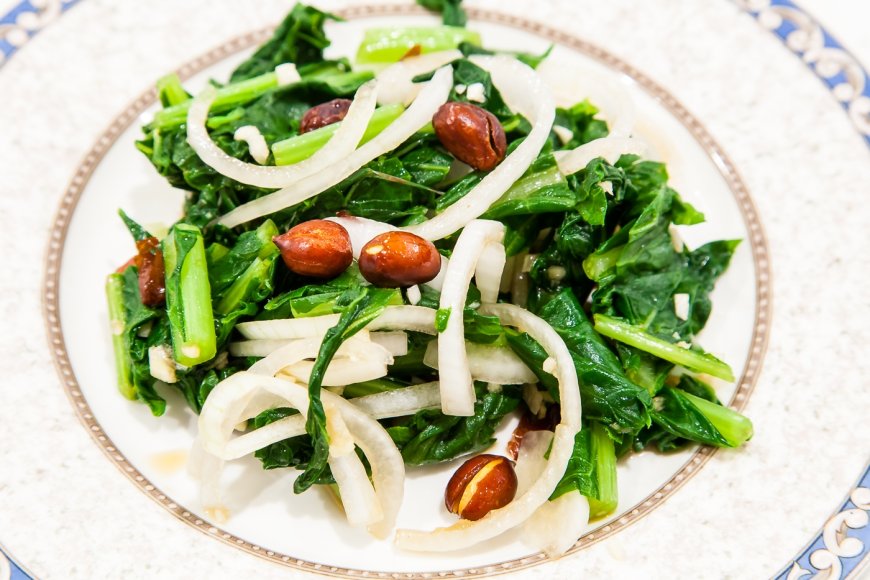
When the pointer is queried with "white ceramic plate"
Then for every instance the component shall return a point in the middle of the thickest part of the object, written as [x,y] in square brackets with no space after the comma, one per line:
[308,530]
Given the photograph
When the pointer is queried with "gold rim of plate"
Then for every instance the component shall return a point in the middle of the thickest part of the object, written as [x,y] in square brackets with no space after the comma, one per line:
[63,217]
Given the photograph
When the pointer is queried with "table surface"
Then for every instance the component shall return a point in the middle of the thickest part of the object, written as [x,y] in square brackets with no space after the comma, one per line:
[846,20]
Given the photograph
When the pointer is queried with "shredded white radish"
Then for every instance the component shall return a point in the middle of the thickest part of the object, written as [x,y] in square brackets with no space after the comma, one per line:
[287,74]
[532,459]
[558,524]
[414,318]
[396,342]
[457,396]
[490,364]
[525,93]
[340,372]
[356,349]
[342,143]
[397,79]
[413,292]
[432,96]
[161,364]
[400,402]
[257,146]
[288,328]
[246,394]
[610,148]
[397,403]
[464,534]
[488,272]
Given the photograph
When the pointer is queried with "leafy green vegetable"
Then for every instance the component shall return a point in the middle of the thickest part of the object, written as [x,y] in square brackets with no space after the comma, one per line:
[685,415]
[637,337]
[361,306]
[432,437]
[451,10]
[298,39]
[188,296]
[592,471]
[386,45]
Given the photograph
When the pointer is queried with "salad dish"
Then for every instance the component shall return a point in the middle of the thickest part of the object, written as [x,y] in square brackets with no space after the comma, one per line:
[424,258]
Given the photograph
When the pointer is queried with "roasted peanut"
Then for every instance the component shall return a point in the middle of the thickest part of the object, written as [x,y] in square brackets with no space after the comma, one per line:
[471,134]
[152,272]
[324,114]
[480,485]
[398,260]
[316,248]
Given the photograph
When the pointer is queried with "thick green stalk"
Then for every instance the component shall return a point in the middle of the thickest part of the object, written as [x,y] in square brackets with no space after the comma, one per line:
[734,427]
[170,91]
[236,94]
[640,339]
[188,296]
[386,45]
[597,264]
[300,147]
[604,455]
[117,324]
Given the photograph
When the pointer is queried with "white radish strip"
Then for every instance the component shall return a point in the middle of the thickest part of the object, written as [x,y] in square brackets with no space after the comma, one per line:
[235,392]
[340,372]
[400,402]
[258,348]
[532,459]
[358,497]
[257,146]
[523,90]
[342,143]
[464,534]
[397,81]
[558,524]
[299,350]
[409,122]
[610,148]
[490,364]
[413,292]
[288,328]
[413,318]
[457,389]
[362,230]
[487,273]
[397,403]
[396,342]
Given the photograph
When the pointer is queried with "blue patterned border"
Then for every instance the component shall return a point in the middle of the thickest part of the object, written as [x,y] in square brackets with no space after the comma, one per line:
[841,548]
[22,23]
[843,545]
[10,570]
[823,54]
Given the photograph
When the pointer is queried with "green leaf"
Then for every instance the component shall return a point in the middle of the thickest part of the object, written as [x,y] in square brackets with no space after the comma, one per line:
[451,10]
[592,471]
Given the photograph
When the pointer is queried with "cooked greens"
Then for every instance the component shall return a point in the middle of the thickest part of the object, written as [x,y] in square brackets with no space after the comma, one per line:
[593,254]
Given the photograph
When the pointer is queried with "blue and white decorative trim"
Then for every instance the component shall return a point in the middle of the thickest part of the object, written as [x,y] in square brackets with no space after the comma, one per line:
[21,23]
[841,548]
[10,570]
[823,54]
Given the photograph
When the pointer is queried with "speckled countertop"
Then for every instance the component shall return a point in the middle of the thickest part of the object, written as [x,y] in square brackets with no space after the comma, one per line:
[66,512]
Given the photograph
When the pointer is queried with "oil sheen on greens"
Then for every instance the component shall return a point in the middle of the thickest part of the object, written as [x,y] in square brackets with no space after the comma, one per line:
[603,270]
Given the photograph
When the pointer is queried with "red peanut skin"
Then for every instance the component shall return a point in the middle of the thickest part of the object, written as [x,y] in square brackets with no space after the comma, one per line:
[471,134]
[316,248]
[398,260]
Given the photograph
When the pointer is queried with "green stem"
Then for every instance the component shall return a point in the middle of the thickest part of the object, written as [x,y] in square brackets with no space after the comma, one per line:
[188,296]
[604,455]
[597,264]
[734,427]
[236,94]
[386,45]
[117,323]
[300,147]
[640,339]
[170,90]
